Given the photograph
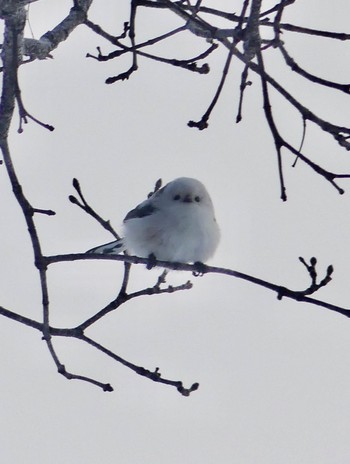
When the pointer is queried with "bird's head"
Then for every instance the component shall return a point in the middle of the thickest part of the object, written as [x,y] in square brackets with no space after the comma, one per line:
[186,190]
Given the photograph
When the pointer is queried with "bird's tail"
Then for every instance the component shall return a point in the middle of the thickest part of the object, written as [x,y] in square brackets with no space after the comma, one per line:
[113,248]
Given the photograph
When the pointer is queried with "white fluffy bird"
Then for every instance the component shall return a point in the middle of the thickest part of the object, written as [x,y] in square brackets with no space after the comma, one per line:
[176,223]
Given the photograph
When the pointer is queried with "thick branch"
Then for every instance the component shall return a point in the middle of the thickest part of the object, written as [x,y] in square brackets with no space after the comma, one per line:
[281,291]
[14,26]
[41,48]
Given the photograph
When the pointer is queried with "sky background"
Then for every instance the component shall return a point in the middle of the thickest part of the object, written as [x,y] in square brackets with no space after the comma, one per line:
[274,375]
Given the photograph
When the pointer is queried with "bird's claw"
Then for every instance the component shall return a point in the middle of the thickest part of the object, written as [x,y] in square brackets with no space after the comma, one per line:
[200,269]
[151,261]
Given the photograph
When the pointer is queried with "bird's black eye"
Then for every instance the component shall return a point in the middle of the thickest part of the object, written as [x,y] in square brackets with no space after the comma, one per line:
[176,197]
[197,199]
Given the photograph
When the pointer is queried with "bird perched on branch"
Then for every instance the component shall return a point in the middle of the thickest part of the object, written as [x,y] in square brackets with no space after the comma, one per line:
[176,223]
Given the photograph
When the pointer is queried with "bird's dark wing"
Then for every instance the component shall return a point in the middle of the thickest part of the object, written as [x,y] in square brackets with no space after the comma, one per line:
[144,209]
[114,247]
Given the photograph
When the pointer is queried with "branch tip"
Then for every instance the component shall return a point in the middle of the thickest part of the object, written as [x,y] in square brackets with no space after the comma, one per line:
[187,391]
[73,200]
[107,387]
[76,184]
[201,125]
[330,270]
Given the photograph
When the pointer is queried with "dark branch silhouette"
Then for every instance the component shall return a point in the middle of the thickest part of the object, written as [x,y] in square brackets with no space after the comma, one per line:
[244,42]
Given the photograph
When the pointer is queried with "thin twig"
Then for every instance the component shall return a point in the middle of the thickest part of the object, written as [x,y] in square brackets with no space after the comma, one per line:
[123,298]
[277,138]
[203,122]
[189,64]
[311,77]
[242,87]
[85,206]
[155,375]
[301,143]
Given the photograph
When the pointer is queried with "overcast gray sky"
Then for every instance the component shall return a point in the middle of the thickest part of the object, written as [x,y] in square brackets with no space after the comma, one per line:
[274,375]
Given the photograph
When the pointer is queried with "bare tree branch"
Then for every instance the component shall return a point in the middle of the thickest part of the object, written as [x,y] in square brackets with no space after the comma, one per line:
[243,41]
[297,295]
[154,375]
[40,49]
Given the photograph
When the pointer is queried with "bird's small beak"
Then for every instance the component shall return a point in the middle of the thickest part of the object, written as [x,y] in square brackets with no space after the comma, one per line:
[187,199]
